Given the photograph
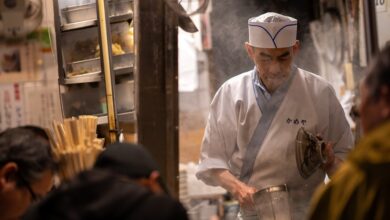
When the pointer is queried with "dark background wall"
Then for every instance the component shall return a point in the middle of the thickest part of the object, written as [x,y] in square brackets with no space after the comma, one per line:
[229,19]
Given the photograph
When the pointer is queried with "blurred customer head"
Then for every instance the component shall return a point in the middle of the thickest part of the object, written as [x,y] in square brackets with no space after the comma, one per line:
[134,162]
[360,188]
[26,169]
[99,194]
[375,92]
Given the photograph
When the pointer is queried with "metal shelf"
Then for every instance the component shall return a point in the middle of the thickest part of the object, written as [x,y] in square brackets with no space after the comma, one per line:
[122,117]
[96,76]
[91,23]
[86,78]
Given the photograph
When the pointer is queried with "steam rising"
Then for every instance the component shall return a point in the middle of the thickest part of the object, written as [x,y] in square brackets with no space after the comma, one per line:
[229,19]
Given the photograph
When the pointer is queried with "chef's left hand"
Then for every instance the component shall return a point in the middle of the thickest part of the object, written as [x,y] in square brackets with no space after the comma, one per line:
[332,162]
[329,154]
[330,157]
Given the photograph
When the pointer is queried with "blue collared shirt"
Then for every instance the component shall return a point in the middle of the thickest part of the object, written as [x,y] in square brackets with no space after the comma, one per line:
[260,86]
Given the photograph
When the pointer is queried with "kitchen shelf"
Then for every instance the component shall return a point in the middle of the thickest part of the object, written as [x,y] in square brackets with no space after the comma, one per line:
[85,78]
[91,23]
[96,76]
[122,117]
[81,78]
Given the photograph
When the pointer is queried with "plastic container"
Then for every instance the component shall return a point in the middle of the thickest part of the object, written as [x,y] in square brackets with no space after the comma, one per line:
[92,66]
[125,98]
[120,7]
[79,13]
[85,12]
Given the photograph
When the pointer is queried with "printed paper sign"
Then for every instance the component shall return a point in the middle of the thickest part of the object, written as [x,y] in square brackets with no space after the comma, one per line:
[381,5]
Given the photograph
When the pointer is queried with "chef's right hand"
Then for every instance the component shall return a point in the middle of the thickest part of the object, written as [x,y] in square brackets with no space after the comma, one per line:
[244,194]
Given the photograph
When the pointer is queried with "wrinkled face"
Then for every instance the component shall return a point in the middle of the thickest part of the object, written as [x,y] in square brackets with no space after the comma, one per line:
[273,65]
[372,112]
[15,200]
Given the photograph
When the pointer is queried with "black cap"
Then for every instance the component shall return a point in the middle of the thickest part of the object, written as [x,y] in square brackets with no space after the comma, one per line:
[131,160]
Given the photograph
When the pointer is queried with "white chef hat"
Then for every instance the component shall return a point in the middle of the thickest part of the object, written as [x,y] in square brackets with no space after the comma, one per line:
[272,30]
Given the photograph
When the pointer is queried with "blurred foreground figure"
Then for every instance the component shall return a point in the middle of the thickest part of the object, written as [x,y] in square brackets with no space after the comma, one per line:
[26,169]
[100,195]
[134,162]
[360,190]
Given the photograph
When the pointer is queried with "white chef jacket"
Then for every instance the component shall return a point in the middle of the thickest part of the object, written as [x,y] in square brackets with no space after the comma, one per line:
[309,102]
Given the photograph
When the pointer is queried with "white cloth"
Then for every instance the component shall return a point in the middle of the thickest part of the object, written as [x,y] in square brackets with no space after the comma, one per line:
[272,30]
[234,114]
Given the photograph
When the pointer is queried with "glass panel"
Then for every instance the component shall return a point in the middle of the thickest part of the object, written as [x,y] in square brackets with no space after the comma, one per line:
[83,99]
[124,95]
[81,50]
[90,99]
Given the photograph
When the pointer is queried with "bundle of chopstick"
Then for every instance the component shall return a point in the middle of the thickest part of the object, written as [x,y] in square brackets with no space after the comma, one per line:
[75,144]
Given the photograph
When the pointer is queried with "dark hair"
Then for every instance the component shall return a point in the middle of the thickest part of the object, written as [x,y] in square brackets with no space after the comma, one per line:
[29,148]
[378,76]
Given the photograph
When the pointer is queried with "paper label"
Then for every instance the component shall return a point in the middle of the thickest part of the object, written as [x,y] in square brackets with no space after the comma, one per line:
[380,5]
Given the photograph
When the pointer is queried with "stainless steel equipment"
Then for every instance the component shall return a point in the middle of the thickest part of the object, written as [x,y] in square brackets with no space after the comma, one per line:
[272,203]
[95,53]
[73,14]
[92,66]
[309,152]
[85,12]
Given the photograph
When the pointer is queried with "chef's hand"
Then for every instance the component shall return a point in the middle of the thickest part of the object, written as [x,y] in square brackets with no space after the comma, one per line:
[330,157]
[332,162]
[242,192]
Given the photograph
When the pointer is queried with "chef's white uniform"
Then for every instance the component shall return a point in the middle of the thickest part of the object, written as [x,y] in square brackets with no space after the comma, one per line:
[307,101]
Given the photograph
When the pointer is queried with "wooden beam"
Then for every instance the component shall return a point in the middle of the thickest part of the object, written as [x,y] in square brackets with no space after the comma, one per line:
[156,90]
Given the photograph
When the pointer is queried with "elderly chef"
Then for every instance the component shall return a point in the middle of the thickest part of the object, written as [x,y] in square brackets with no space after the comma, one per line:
[249,141]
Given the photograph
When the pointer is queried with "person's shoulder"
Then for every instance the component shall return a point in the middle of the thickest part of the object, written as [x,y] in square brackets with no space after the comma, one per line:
[345,179]
[238,79]
[235,88]
[235,84]
[315,81]
[242,76]
[313,78]
[159,206]
[107,195]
